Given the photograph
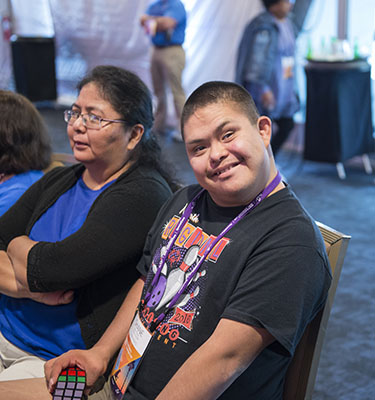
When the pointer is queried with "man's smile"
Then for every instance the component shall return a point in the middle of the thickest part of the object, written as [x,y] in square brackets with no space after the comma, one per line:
[222,170]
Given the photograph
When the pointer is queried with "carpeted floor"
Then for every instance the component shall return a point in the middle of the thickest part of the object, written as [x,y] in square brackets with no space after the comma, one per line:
[347,364]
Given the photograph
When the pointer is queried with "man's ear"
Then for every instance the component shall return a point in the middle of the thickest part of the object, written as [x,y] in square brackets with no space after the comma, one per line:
[264,125]
[136,134]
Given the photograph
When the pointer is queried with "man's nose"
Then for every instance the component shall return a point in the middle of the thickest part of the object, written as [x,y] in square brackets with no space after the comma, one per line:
[218,152]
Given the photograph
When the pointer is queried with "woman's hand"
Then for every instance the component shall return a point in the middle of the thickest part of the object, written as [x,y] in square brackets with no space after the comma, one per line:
[53,298]
[18,251]
[93,361]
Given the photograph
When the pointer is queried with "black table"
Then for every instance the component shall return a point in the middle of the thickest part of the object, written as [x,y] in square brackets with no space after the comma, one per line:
[34,67]
[338,111]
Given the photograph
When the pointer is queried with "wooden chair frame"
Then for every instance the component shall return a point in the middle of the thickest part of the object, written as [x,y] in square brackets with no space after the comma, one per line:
[301,374]
[60,160]
[64,158]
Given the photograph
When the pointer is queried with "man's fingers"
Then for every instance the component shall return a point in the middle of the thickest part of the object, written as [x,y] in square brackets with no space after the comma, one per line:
[53,368]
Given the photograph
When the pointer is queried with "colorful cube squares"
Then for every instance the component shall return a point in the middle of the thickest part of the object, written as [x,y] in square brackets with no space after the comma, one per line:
[70,384]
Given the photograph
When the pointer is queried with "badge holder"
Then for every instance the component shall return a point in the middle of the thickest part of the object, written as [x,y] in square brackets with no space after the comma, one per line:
[127,362]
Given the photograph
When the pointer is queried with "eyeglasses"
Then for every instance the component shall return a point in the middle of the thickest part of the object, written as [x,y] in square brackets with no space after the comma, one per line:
[90,121]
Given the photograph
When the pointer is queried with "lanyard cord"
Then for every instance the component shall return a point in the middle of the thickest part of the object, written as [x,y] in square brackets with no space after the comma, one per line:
[177,231]
[255,202]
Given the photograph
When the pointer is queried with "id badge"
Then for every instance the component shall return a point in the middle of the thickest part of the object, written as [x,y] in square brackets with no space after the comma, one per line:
[287,64]
[129,357]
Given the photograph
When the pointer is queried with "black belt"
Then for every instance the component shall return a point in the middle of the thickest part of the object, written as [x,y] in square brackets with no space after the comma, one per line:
[167,45]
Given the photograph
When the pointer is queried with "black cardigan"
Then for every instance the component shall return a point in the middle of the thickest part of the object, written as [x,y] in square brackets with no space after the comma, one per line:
[99,260]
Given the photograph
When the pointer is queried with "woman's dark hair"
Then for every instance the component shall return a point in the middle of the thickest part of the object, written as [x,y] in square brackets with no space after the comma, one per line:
[24,141]
[131,98]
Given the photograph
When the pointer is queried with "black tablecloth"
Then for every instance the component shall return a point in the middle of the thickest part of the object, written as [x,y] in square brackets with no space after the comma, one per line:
[34,67]
[338,111]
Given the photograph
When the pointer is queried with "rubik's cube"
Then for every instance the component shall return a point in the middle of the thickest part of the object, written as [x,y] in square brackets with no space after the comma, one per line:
[70,384]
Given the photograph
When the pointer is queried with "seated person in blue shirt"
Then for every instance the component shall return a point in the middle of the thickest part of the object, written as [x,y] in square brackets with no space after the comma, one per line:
[25,148]
[74,238]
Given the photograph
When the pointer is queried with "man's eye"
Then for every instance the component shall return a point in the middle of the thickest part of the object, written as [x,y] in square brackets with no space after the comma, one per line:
[198,149]
[228,134]
[74,114]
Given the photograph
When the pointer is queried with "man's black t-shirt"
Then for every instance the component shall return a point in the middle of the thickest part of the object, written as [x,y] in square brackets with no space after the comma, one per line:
[270,271]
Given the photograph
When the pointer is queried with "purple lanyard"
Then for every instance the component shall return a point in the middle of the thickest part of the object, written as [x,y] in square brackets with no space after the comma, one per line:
[184,218]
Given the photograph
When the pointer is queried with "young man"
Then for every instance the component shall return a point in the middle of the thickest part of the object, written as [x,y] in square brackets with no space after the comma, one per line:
[265,66]
[233,272]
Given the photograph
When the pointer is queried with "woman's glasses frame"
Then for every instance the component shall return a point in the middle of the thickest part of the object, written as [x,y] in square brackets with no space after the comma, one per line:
[90,121]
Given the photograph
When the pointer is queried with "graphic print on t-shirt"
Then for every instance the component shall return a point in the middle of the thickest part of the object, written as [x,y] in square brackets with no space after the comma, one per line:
[182,259]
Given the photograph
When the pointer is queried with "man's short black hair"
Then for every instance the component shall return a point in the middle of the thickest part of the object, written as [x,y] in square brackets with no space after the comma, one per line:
[269,3]
[220,92]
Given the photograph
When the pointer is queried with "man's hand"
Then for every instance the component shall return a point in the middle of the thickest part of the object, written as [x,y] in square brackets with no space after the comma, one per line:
[93,361]
[154,24]
[268,100]
[143,19]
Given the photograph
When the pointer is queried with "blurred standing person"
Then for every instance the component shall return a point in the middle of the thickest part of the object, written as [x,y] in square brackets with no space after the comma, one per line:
[25,148]
[5,34]
[165,22]
[265,66]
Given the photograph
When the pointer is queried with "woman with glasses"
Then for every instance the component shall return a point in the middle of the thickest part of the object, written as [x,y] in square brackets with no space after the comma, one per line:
[25,149]
[69,247]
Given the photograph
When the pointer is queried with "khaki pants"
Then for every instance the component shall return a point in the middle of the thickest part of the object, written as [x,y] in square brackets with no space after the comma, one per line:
[103,394]
[18,364]
[167,64]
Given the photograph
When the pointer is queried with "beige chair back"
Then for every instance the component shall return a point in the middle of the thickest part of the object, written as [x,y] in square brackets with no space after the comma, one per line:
[60,160]
[301,374]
